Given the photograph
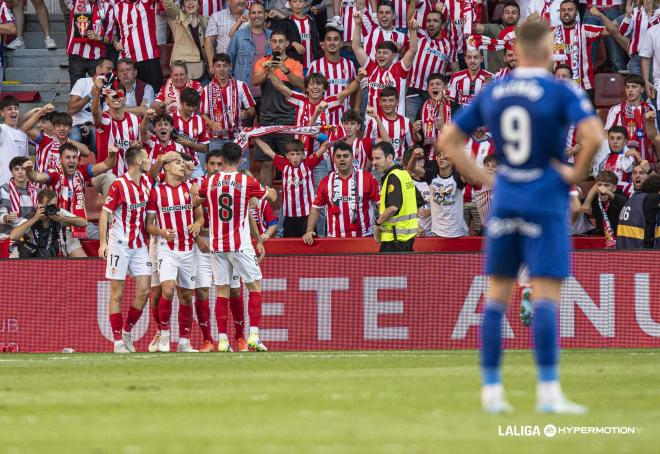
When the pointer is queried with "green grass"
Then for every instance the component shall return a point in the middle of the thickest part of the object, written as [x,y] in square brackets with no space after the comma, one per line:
[325,402]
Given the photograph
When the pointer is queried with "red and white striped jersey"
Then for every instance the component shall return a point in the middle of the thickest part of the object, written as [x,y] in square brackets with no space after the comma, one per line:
[155,147]
[193,129]
[379,78]
[174,211]
[378,35]
[459,15]
[305,110]
[264,215]
[434,114]
[348,22]
[423,9]
[361,149]
[400,13]
[349,203]
[6,16]
[168,90]
[228,194]
[478,150]
[632,118]
[304,28]
[635,27]
[620,164]
[601,3]
[208,7]
[119,133]
[85,15]
[502,73]
[47,153]
[127,202]
[136,21]
[573,47]
[399,131]
[223,104]
[462,87]
[297,184]
[339,75]
[433,56]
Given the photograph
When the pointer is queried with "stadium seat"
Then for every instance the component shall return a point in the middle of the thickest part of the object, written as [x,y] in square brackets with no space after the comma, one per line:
[608,88]
[165,51]
[93,204]
[601,55]
[22,96]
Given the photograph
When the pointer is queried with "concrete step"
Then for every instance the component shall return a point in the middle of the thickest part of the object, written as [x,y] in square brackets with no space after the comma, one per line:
[56,23]
[35,40]
[59,106]
[49,92]
[36,53]
[44,76]
[48,61]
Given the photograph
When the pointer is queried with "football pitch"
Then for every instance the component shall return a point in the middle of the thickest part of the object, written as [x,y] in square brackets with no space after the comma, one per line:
[317,402]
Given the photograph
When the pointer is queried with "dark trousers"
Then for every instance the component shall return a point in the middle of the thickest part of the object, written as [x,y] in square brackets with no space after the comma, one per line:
[397,246]
[80,68]
[294,226]
[149,71]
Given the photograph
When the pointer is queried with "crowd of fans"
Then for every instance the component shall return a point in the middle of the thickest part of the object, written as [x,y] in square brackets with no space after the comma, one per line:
[373,75]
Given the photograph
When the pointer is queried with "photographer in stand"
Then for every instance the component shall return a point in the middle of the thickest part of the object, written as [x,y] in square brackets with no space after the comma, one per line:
[274,108]
[41,235]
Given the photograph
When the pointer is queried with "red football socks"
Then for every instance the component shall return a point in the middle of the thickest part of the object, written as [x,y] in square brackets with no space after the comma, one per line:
[132,318]
[254,308]
[222,313]
[185,320]
[115,323]
[238,313]
[154,314]
[204,318]
[164,313]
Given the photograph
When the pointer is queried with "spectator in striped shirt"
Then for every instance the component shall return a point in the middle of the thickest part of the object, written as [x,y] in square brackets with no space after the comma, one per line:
[303,35]
[395,128]
[636,22]
[510,16]
[483,195]
[595,12]
[297,183]
[18,197]
[465,85]
[47,154]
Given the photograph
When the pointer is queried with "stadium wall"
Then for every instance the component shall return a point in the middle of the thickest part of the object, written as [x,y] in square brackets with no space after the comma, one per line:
[352,302]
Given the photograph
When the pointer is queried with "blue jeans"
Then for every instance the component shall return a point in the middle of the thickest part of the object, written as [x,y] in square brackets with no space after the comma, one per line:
[635,65]
[76,134]
[615,54]
[414,102]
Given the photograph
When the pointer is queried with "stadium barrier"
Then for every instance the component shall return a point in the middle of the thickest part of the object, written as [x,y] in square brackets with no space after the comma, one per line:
[352,302]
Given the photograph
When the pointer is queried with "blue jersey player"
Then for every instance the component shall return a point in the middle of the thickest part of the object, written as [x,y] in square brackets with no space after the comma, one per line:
[528,115]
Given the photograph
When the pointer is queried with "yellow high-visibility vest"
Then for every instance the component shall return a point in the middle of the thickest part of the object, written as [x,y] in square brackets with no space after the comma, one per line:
[403,226]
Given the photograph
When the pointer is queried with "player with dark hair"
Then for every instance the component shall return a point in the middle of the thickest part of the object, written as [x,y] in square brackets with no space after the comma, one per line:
[228,193]
[125,251]
[528,114]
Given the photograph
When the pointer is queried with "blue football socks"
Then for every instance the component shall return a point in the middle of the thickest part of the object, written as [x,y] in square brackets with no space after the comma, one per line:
[491,342]
[546,346]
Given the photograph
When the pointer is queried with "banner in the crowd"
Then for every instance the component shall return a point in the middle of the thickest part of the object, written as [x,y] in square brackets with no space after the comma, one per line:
[351,302]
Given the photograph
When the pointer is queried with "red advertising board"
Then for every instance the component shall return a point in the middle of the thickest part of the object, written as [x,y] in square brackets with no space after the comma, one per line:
[352,302]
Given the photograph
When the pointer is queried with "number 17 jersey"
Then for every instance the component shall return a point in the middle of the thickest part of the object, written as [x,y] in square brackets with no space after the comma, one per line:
[228,195]
[528,115]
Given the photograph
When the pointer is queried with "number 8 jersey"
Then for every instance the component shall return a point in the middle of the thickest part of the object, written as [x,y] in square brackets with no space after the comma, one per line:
[228,195]
[528,115]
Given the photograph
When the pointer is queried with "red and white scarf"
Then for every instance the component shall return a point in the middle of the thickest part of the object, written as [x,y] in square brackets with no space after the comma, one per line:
[220,103]
[75,204]
[88,15]
[15,195]
[174,93]
[243,139]
[610,238]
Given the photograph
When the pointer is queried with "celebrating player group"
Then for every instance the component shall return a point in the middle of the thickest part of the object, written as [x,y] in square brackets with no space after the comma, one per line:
[199,234]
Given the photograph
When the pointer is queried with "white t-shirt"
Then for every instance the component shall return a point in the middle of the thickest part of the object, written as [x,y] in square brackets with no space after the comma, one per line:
[82,88]
[424,223]
[536,6]
[650,48]
[13,143]
[447,207]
